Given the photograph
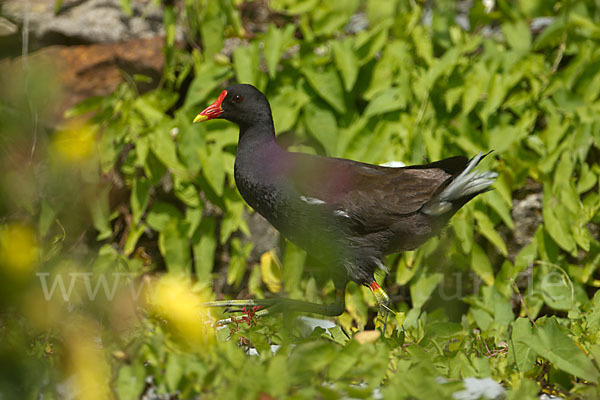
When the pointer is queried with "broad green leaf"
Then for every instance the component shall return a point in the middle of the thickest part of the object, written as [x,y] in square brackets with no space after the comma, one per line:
[322,125]
[160,214]
[517,35]
[129,382]
[99,209]
[369,43]
[486,227]
[391,99]
[556,228]
[134,234]
[423,44]
[174,246]
[423,287]
[208,77]
[174,371]
[212,28]
[274,45]
[462,223]
[293,265]
[557,288]
[328,86]
[140,194]
[480,263]
[518,352]
[245,62]
[495,200]
[346,62]
[211,158]
[237,266]
[551,343]
[204,244]
[46,218]
[286,106]
[163,147]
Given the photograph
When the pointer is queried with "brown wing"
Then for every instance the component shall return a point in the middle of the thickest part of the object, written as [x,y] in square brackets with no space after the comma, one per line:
[367,195]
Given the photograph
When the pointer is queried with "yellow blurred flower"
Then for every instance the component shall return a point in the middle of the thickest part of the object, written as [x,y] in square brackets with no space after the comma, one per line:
[87,363]
[18,250]
[173,300]
[75,142]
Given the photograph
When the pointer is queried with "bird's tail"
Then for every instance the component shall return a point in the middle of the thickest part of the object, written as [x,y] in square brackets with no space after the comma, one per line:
[463,187]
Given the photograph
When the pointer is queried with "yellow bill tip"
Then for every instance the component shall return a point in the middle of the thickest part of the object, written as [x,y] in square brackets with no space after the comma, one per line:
[200,118]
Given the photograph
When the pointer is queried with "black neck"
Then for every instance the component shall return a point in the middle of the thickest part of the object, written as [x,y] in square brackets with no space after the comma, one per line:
[256,137]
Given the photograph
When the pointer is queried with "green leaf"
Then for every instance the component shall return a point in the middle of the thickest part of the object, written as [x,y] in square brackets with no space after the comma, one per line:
[423,44]
[391,99]
[163,147]
[46,218]
[369,43]
[174,246]
[173,371]
[293,265]
[160,214]
[140,195]
[99,209]
[346,62]
[495,200]
[209,76]
[204,244]
[275,41]
[129,382]
[480,263]
[322,125]
[551,343]
[237,265]
[211,158]
[518,352]
[556,287]
[328,86]
[423,287]
[556,228]
[517,35]
[134,234]
[286,107]
[245,62]
[462,223]
[212,28]
[486,227]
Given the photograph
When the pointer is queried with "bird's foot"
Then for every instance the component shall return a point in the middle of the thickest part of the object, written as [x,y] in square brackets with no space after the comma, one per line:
[384,310]
[264,307]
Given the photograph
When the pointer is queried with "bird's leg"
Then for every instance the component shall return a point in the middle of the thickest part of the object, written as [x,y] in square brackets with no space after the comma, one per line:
[280,305]
[383,300]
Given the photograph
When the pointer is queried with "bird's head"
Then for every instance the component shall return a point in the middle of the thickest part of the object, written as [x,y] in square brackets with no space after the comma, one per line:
[243,104]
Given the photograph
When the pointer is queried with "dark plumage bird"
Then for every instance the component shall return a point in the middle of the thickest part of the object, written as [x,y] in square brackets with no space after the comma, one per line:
[345,213]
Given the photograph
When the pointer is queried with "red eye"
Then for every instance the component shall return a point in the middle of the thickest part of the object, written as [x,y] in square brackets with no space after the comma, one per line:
[237,99]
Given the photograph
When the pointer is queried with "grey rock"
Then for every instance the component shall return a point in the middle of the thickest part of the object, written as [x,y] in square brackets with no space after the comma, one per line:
[89,21]
[262,234]
[527,215]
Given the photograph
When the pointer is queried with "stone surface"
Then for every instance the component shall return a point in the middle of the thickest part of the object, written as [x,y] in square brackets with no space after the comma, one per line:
[92,70]
[86,21]
[527,215]
[262,234]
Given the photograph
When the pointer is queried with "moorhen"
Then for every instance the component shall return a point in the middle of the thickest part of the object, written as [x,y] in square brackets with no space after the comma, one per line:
[345,213]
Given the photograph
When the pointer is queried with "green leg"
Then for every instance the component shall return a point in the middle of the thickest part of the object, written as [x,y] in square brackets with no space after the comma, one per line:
[281,305]
[384,301]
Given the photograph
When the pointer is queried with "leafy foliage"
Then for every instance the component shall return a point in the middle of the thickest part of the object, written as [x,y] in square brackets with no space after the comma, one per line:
[368,80]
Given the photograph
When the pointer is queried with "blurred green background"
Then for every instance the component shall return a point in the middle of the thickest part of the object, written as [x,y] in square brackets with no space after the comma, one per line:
[118,217]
